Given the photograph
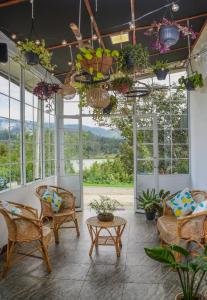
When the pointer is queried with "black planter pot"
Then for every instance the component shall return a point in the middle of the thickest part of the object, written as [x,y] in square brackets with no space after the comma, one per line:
[189,85]
[31,58]
[105,218]
[161,73]
[107,110]
[150,216]
[129,62]
[169,35]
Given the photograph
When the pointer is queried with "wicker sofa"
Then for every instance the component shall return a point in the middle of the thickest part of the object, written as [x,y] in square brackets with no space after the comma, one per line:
[192,227]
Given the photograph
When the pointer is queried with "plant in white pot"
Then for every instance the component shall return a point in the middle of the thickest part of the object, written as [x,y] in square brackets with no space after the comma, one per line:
[191,268]
[104,208]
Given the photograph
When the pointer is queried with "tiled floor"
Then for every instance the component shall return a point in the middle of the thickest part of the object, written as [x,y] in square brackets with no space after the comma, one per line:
[104,276]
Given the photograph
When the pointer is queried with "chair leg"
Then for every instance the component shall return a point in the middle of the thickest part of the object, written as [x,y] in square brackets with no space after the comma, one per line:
[77,227]
[10,248]
[46,257]
[55,230]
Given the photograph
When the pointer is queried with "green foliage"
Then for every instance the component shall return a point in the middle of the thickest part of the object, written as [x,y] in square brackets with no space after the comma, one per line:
[44,55]
[137,53]
[196,79]
[105,205]
[160,65]
[191,269]
[119,81]
[149,200]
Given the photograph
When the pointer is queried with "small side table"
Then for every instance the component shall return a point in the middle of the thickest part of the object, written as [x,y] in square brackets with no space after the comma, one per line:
[114,230]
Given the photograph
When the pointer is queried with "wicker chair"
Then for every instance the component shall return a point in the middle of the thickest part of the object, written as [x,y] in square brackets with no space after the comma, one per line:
[191,227]
[25,228]
[66,212]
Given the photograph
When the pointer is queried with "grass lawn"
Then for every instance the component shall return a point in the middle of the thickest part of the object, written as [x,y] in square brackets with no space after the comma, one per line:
[119,185]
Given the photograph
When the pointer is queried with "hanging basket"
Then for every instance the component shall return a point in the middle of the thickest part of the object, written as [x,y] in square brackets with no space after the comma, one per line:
[68,92]
[97,97]
[45,90]
[99,65]
[32,58]
[169,35]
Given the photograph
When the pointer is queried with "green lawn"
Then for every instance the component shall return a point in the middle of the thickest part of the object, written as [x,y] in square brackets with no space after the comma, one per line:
[120,185]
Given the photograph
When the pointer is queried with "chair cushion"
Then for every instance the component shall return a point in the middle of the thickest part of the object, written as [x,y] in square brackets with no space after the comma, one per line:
[167,227]
[53,198]
[182,204]
[202,206]
[11,208]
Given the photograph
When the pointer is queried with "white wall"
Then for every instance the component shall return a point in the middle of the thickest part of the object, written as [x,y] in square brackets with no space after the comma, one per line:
[198,121]
[24,195]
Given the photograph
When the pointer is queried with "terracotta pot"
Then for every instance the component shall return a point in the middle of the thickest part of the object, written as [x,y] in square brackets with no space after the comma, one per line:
[105,218]
[102,64]
[122,88]
[31,58]
[180,297]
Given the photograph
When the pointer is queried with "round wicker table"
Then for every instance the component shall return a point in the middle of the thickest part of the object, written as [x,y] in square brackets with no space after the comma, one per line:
[112,232]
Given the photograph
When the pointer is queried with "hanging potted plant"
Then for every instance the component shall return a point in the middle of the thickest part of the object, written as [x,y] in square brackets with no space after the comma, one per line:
[35,53]
[191,268]
[191,82]
[45,90]
[104,208]
[160,69]
[133,58]
[111,107]
[121,84]
[97,97]
[166,33]
[96,62]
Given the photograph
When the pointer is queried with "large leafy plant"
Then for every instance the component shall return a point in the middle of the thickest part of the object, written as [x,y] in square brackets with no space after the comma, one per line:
[191,269]
[149,200]
[44,55]
[160,65]
[105,205]
[196,81]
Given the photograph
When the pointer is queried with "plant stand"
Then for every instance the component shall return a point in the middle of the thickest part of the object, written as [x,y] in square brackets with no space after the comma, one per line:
[114,230]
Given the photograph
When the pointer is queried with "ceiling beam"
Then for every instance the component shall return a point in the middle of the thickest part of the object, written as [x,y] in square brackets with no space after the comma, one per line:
[139,28]
[11,2]
[133,22]
[93,21]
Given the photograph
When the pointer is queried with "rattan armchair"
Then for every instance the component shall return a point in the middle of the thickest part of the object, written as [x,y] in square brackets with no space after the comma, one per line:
[25,228]
[192,227]
[66,213]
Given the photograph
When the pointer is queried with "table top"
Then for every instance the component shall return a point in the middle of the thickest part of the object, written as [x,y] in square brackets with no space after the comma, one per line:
[117,221]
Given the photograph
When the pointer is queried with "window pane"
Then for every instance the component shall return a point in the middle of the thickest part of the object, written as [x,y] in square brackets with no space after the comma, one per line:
[4,152]
[145,167]
[165,166]
[4,129]
[4,176]
[15,175]
[4,104]
[14,109]
[15,152]
[180,166]
[29,172]
[4,84]
[14,90]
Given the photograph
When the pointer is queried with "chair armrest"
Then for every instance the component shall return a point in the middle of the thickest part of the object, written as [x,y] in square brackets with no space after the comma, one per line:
[31,209]
[192,216]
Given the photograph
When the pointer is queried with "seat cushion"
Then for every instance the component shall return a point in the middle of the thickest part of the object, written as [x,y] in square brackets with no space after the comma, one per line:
[167,227]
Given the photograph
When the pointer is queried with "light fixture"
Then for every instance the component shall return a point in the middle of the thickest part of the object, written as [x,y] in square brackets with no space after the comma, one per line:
[64,42]
[131,25]
[70,63]
[94,37]
[13,36]
[175,7]
[19,42]
[37,42]
[119,38]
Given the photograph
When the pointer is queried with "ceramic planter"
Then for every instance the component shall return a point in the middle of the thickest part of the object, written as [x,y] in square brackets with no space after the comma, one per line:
[161,73]
[31,58]
[105,217]
[169,35]
[180,297]
[150,215]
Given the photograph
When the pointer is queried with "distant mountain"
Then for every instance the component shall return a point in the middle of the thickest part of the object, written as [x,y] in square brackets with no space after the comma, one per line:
[109,133]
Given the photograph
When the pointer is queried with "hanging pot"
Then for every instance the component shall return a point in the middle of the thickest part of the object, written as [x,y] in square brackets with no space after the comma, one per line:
[105,217]
[161,73]
[31,58]
[189,85]
[99,65]
[129,62]
[97,97]
[107,110]
[180,297]
[169,35]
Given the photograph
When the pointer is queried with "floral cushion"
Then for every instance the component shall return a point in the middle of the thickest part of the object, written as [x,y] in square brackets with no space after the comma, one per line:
[11,208]
[182,204]
[202,206]
[53,198]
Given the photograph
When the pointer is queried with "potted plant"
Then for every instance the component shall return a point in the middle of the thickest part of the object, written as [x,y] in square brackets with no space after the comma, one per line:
[104,208]
[191,269]
[160,69]
[166,33]
[111,107]
[133,58]
[35,53]
[96,62]
[191,82]
[149,201]
[121,84]
[45,90]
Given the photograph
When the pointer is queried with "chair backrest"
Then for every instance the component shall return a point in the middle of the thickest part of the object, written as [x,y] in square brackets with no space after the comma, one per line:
[11,226]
